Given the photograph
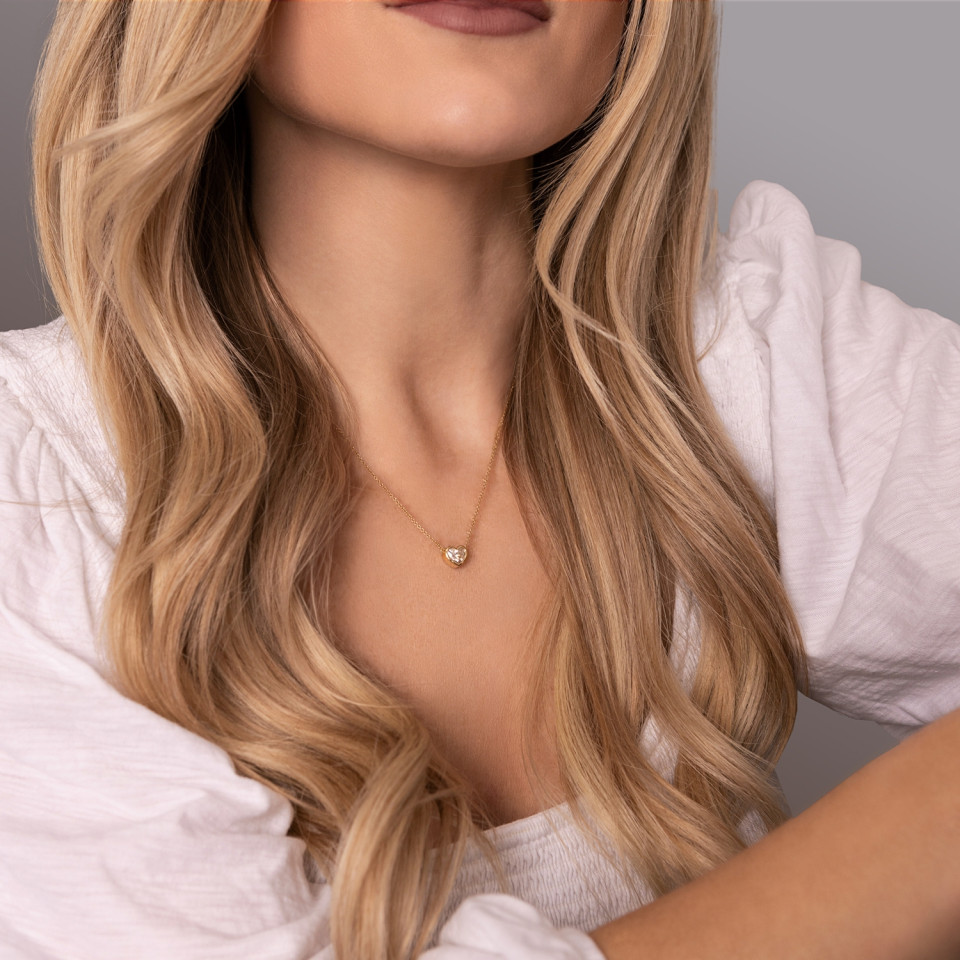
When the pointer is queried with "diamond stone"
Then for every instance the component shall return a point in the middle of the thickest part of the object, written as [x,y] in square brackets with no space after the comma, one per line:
[455,556]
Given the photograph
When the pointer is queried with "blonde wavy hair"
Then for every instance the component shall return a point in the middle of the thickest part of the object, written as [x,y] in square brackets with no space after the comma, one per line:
[223,416]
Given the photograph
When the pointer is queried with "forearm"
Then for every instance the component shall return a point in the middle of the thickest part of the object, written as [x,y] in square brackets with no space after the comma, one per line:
[871,871]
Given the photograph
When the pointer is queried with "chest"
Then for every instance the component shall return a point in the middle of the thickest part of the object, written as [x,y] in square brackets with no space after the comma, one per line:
[455,644]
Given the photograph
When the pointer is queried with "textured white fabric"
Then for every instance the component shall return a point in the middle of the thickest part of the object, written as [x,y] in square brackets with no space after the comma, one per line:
[859,411]
[123,835]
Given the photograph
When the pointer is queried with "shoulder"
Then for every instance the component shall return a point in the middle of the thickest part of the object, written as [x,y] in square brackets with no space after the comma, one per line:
[772,272]
[50,433]
[793,342]
[843,367]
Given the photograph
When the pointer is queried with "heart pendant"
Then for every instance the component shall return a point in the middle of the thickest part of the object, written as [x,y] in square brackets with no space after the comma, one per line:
[455,556]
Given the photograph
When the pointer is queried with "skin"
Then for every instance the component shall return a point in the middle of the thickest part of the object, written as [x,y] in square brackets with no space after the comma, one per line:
[869,872]
[390,187]
[409,272]
[390,190]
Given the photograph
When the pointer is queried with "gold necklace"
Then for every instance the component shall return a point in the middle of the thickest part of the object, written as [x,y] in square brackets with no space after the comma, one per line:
[456,556]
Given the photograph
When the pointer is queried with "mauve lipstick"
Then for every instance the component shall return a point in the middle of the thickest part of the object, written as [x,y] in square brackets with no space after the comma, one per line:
[490,17]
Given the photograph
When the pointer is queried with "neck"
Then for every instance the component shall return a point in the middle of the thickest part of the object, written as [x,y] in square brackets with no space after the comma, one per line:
[412,277]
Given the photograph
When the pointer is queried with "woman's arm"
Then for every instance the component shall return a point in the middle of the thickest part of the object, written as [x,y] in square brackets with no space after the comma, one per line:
[870,871]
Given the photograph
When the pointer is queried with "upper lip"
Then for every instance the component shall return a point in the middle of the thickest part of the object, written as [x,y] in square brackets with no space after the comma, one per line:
[536,8]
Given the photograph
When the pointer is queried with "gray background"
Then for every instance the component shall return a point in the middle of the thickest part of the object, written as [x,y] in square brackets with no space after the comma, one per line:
[851,104]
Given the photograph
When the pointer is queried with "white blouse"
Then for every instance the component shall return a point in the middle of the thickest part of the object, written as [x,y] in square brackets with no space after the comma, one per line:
[124,835]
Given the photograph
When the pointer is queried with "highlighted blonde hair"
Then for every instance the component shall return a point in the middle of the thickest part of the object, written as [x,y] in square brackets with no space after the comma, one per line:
[223,414]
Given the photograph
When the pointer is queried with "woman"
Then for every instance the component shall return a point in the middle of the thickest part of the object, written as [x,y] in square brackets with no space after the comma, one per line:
[412,506]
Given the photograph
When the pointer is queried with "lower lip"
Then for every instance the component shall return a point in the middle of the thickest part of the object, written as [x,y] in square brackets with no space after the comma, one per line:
[495,21]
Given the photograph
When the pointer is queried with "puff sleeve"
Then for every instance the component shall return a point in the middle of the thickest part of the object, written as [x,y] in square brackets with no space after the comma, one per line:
[122,834]
[847,410]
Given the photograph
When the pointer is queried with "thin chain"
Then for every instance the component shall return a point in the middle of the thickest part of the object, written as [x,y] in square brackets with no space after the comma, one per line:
[483,486]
